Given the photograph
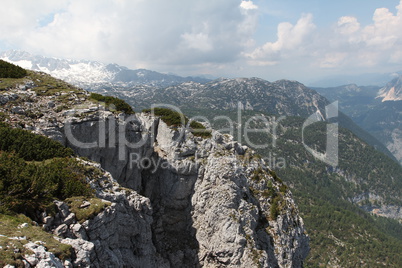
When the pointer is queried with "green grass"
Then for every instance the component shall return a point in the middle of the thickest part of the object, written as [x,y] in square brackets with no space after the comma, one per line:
[83,214]
[9,228]
[7,83]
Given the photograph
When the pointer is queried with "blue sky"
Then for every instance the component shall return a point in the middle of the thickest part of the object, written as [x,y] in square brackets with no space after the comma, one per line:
[299,40]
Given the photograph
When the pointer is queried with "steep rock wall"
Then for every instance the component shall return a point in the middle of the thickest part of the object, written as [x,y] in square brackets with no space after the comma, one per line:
[205,210]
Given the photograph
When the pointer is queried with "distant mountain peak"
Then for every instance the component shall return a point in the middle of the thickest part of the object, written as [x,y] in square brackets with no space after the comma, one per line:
[87,74]
[392,91]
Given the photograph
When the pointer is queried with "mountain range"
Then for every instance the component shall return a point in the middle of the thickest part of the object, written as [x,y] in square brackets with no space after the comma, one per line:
[378,110]
[351,209]
[92,74]
[164,197]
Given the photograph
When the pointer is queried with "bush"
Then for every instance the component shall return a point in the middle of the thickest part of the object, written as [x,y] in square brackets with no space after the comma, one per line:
[170,117]
[275,209]
[9,70]
[199,130]
[29,146]
[120,104]
[175,119]
[28,187]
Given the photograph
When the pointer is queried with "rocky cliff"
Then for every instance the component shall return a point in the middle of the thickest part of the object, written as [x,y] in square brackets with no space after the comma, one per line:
[176,200]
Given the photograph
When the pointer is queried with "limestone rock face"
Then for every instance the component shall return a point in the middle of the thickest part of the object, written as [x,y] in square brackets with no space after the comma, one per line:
[196,202]
[171,199]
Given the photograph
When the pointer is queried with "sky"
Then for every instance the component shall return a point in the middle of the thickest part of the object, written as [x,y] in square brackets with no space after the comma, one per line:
[297,40]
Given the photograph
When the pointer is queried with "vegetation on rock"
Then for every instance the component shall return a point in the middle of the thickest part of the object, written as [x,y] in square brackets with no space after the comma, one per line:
[9,70]
[341,232]
[35,170]
[119,104]
[12,250]
[29,146]
[95,206]
[175,119]
[170,117]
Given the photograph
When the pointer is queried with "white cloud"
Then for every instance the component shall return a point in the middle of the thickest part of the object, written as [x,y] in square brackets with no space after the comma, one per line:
[290,39]
[135,33]
[248,5]
[198,41]
[196,35]
[331,60]
[348,25]
[379,43]
[348,45]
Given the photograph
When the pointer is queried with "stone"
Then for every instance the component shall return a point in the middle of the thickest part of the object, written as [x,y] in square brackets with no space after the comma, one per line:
[85,204]
[18,110]
[84,251]
[61,230]
[79,231]
[62,208]
[41,257]
[23,225]
[70,219]
[51,104]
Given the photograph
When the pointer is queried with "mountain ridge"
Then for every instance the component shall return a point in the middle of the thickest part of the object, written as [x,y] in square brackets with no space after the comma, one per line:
[199,204]
[378,110]
[85,73]
[392,90]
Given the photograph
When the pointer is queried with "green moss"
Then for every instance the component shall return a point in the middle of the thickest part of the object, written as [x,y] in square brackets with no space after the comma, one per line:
[283,188]
[257,175]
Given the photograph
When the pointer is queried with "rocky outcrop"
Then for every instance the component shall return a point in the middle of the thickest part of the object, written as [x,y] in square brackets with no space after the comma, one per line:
[118,236]
[202,209]
[392,91]
[178,200]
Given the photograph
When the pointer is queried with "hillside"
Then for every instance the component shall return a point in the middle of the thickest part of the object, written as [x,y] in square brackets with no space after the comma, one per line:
[283,97]
[365,182]
[170,198]
[392,90]
[380,116]
[343,207]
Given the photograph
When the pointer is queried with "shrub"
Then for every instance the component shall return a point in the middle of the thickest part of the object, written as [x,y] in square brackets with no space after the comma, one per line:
[27,187]
[199,130]
[9,70]
[274,210]
[175,119]
[120,104]
[170,117]
[29,146]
